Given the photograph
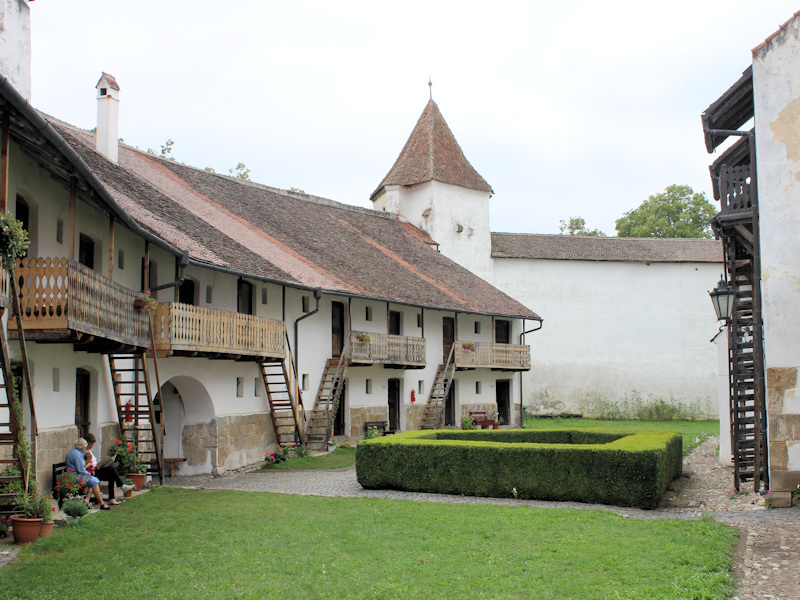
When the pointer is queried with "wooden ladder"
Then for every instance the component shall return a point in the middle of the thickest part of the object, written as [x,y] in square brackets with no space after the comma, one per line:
[326,405]
[135,408]
[433,417]
[284,398]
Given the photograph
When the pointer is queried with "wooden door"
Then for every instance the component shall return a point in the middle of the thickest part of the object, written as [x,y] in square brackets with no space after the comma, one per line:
[502,332]
[394,322]
[82,401]
[394,404]
[186,292]
[86,251]
[337,329]
[448,336]
[245,297]
[503,397]
[450,407]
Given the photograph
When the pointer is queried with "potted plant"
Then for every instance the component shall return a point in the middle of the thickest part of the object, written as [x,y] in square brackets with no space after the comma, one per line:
[74,509]
[129,492]
[13,241]
[69,487]
[145,300]
[468,346]
[47,510]
[129,460]
[363,338]
[26,525]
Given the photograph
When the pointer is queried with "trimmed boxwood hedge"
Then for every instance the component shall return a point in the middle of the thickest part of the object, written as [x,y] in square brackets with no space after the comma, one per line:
[586,465]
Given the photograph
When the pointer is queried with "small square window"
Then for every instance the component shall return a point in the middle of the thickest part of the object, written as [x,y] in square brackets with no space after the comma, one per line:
[60,231]
[240,387]
[305,304]
[477,326]
[103,91]
[305,382]
[477,388]
[421,387]
[209,294]
[419,320]
[369,386]
[369,313]
[56,380]
[257,387]
[264,296]
[120,259]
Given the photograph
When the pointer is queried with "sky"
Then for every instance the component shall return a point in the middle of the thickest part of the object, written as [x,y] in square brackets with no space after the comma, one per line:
[568,108]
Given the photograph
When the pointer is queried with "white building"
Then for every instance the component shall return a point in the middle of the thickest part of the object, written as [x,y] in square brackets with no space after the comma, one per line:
[621,315]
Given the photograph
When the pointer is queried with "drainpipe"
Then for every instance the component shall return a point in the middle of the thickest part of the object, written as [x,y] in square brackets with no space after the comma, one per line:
[317,297]
[522,341]
[183,262]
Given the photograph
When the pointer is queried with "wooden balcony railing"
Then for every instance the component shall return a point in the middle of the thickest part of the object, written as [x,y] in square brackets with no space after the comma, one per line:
[59,296]
[510,357]
[376,348]
[182,328]
[737,194]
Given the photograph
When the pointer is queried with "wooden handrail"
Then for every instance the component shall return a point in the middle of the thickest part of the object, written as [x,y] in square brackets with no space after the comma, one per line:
[386,348]
[186,328]
[494,356]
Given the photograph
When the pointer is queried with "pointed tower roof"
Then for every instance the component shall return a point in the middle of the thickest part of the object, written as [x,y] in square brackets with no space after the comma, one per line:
[432,153]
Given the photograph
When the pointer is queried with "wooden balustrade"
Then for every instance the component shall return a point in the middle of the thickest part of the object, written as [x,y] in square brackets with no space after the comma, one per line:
[59,296]
[387,349]
[183,328]
[511,357]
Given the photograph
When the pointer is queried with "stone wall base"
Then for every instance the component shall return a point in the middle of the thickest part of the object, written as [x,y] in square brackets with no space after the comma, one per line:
[414,414]
[361,414]
[227,443]
[783,413]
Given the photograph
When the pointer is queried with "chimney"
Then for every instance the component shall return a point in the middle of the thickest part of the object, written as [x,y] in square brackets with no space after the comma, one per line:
[15,45]
[108,117]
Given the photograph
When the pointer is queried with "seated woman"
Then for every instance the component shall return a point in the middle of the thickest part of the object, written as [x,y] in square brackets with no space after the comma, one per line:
[107,473]
[76,462]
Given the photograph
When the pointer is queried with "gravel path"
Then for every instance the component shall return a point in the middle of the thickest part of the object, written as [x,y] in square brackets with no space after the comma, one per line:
[766,561]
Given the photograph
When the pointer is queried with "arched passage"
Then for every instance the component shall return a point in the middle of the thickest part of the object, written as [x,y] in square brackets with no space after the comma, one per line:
[188,415]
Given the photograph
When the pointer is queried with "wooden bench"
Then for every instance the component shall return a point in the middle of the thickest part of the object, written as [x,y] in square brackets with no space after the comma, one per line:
[173,464]
[59,470]
[482,418]
[380,426]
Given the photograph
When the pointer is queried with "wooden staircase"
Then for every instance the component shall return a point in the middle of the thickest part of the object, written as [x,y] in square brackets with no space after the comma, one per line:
[433,418]
[13,446]
[135,409]
[320,422]
[283,396]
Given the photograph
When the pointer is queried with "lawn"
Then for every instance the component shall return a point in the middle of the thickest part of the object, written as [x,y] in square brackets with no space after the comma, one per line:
[694,432]
[172,543]
[339,458]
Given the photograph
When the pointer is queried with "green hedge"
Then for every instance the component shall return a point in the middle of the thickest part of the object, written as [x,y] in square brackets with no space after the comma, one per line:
[596,466]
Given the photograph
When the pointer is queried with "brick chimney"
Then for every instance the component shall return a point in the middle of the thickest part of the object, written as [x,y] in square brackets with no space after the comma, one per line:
[108,117]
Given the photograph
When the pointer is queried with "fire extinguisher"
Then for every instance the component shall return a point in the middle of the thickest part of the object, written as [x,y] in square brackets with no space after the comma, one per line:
[413,395]
[129,411]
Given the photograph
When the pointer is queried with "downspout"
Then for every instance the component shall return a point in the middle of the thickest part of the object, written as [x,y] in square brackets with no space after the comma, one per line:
[317,297]
[522,341]
[183,261]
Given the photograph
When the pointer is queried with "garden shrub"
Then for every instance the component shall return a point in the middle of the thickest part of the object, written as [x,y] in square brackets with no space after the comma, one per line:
[594,466]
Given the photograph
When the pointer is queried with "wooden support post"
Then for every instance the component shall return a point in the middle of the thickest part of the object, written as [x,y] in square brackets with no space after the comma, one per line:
[4,137]
[111,248]
[72,218]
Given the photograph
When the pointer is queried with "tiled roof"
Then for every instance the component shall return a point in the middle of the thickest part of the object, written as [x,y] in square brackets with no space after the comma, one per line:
[112,81]
[590,248]
[780,30]
[432,153]
[293,238]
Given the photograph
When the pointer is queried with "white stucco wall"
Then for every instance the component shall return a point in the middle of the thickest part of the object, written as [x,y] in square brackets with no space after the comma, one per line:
[15,44]
[613,327]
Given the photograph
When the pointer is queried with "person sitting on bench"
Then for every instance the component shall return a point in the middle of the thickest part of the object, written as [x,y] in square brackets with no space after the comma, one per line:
[107,472]
[77,464]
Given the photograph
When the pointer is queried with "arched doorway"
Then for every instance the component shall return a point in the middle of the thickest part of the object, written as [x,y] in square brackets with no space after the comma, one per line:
[188,414]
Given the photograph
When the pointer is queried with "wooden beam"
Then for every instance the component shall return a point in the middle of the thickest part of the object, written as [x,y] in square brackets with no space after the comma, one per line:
[111,248]
[4,163]
[72,218]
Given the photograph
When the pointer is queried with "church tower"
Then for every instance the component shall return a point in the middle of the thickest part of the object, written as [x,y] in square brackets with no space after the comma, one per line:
[433,186]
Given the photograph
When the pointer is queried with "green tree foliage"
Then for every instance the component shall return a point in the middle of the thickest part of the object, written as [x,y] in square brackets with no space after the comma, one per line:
[240,171]
[577,226]
[678,212]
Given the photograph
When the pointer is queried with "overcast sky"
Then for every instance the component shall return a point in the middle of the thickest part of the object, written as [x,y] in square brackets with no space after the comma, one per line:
[568,108]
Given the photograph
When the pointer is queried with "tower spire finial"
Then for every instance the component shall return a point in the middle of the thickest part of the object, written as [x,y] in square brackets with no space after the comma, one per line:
[430,87]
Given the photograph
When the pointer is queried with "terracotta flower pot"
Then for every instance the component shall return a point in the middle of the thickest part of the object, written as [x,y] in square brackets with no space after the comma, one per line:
[138,480]
[46,529]
[128,494]
[26,531]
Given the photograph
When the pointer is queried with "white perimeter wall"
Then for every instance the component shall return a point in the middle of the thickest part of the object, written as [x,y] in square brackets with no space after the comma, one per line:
[613,327]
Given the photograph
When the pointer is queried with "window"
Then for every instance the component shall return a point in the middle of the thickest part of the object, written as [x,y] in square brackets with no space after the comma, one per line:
[56,379]
[86,251]
[477,326]
[240,387]
[60,231]
[245,297]
[263,295]
[103,91]
[419,320]
[502,332]
[394,322]
[369,313]
[369,386]
[121,259]
[304,304]
[257,387]
[305,382]
[421,386]
[186,292]
[477,388]
[209,294]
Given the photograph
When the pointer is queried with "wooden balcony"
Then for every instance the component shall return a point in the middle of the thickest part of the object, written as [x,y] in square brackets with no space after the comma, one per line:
[182,329]
[738,198]
[62,300]
[486,355]
[396,351]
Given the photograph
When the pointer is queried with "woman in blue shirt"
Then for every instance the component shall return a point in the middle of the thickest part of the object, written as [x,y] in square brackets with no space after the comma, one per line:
[77,464]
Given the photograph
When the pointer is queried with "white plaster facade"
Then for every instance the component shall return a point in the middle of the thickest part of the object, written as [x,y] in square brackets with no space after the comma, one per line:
[15,42]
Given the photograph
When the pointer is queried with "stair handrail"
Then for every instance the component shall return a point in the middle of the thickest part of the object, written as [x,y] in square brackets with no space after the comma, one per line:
[445,371]
[341,369]
[157,439]
[23,348]
[296,398]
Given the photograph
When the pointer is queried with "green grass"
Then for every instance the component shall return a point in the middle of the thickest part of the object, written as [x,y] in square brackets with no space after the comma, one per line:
[693,432]
[339,458]
[190,544]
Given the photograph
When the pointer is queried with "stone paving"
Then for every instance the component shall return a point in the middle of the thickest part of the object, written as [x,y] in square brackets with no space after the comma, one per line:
[766,561]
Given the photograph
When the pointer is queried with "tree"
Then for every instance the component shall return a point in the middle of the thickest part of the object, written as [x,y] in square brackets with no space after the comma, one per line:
[577,226]
[240,171]
[678,212]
